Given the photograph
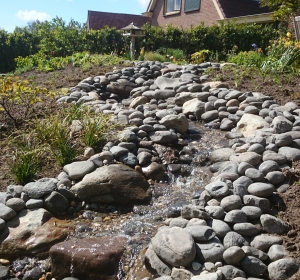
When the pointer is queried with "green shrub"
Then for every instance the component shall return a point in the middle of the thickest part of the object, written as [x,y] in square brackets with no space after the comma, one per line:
[154,56]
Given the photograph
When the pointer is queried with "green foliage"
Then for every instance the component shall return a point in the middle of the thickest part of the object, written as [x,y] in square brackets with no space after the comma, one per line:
[17,99]
[200,56]
[175,55]
[283,9]
[154,56]
[25,165]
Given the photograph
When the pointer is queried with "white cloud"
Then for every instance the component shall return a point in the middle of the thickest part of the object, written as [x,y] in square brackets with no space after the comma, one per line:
[144,3]
[32,15]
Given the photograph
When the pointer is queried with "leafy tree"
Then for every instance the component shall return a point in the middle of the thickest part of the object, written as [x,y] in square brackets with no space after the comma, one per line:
[283,9]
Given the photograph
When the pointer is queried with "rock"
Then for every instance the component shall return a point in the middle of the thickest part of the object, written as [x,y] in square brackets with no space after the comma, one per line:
[231,272]
[272,224]
[210,115]
[32,232]
[163,137]
[253,266]
[200,233]
[268,166]
[251,251]
[34,203]
[245,229]
[217,189]
[254,174]
[235,216]
[178,222]
[281,124]
[221,155]
[193,107]
[56,203]
[174,245]
[233,255]
[252,200]
[216,212]
[249,123]
[158,267]
[275,177]
[231,202]
[4,272]
[122,88]
[4,197]
[6,213]
[178,122]
[196,221]
[261,189]
[14,190]
[138,101]
[114,183]
[282,269]
[277,252]
[40,188]
[182,97]
[144,158]
[220,227]
[263,242]
[205,275]
[234,239]
[292,154]
[252,212]
[118,151]
[193,211]
[129,159]
[101,260]
[249,157]
[280,159]
[17,204]
[154,171]
[210,251]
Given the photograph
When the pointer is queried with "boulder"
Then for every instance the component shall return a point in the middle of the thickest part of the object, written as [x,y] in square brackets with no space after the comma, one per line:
[249,123]
[178,122]
[116,183]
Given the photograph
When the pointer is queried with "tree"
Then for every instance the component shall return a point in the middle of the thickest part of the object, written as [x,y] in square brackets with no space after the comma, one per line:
[283,9]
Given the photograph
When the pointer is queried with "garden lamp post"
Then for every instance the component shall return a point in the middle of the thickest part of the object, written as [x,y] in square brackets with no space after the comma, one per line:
[132,31]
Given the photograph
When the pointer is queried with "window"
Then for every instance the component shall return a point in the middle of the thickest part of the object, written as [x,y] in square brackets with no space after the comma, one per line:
[191,5]
[172,6]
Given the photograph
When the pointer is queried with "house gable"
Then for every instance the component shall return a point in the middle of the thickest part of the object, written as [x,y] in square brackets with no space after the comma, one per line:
[98,20]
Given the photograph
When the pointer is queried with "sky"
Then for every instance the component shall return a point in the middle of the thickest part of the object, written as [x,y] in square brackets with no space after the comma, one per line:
[19,12]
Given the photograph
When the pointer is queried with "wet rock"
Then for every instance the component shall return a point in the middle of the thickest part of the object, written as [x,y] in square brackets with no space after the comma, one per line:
[116,182]
[101,260]
[174,210]
[40,188]
[174,245]
[282,269]
[154,171]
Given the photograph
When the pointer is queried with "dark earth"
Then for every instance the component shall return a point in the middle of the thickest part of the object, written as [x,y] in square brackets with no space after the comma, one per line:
[282,87]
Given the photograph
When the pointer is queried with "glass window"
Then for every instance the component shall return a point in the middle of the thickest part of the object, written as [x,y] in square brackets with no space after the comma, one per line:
[191,5]
[172,6]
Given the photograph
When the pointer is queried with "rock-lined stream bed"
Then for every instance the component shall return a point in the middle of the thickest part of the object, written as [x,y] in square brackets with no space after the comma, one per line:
[187,190]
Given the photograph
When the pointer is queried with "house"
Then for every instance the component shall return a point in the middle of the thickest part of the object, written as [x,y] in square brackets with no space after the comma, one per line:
[98,20]
[187,13]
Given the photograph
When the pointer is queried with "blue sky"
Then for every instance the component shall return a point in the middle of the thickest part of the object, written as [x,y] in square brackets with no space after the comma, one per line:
[18,12]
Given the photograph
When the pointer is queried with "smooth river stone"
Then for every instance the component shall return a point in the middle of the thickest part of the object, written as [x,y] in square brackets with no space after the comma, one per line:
[261,189]
[217,189]
[249,157]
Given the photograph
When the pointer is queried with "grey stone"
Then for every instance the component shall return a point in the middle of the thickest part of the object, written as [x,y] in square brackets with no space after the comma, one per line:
[251,251]
[231,272]
[179,222]
[254,174]
[154,171]
[253,266]
[249,123]
[235,216]
[277,252]
[291,154]
[2,224]
[144,158]
[233,255]
[231,202]
[129,158]
[252,212]
[279,158]
[222,154]
[4,272]
[243,180]
[196,221]
[16,204]
[193,211]
[34,203]
[282,269]
[249,157]
[56,203]
[178,122]
[127,136]
[221,228]
[234,239]
[181,273]
[40,188]
[200,233]
[268,166]
[210,115]
[272,224]
[281,124]
[217,189]
[261,189]
[252,200]
[163,137]
[245,229]
[6,213]
[174,245]
[210,251]
[193,107]
[283,140]
[117,151]
[256,148]
[263,242]
[14,190]
[275,177]
[216,212]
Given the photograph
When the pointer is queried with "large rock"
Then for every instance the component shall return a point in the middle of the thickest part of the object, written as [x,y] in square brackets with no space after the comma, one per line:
[282,269]
[272,224]
[76,170]
[115,183]
[32,232]
[193,107]
[281,124]
[210,251]
[249,123]
[168,83]
[220,155]
[292,154]
[89,258]
[40,188]
[122,88]
[178,122]
[175,246]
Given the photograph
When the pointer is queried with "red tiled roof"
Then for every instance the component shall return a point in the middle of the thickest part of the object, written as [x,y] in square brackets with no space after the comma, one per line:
[238,8]
[98,20]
